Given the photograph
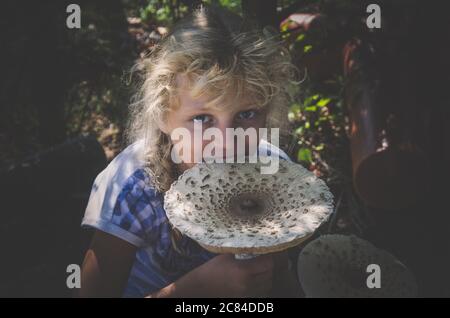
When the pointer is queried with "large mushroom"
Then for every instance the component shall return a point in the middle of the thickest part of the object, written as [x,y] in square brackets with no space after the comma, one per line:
[338,266]
[234,208]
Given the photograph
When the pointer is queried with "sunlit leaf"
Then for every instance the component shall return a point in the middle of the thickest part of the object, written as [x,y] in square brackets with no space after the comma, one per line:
[300,37]
[307,48]
[319,147]
[311,99]
[323,102]
[305,155]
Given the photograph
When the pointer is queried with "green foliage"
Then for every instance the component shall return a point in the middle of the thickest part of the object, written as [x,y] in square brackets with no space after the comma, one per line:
[317,114]
[232,5]
[305,155]
[163,12]
[319,122]
[166,12]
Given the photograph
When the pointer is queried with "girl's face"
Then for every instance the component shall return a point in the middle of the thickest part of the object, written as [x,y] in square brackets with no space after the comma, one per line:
[192,110]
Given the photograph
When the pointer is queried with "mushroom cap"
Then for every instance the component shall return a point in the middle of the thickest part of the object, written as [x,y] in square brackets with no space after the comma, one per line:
[336,266]
[233,208]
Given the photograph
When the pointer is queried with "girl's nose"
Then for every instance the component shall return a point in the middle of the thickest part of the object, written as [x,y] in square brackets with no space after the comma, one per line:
[229,143]
[236,144]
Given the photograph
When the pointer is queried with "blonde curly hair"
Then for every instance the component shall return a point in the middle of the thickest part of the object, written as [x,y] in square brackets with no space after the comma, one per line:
[224,58]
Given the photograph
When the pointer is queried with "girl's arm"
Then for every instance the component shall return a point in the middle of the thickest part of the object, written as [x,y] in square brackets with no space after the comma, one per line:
[108,261]
[224,276]
[106,266]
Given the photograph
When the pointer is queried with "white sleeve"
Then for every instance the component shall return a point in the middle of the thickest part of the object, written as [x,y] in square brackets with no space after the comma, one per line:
[105,192]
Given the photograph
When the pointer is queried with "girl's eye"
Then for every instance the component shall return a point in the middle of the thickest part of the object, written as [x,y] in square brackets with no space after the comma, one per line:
[202,119]
[248,114]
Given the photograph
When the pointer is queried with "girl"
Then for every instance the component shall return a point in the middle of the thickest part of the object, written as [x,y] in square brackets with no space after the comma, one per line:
[208,70]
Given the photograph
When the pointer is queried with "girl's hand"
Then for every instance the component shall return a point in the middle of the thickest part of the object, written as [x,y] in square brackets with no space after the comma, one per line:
[224,276]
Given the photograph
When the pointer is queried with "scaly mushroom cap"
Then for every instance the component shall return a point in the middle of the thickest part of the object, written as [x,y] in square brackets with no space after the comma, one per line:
[233,208]
[336,266]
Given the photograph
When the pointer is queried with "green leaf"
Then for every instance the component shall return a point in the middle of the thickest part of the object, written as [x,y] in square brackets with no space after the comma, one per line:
[307,125]
[305,155]
[319,147]
[311,99]
[284,27]
[300,37]
[311,109]
[323,102]
[307,48]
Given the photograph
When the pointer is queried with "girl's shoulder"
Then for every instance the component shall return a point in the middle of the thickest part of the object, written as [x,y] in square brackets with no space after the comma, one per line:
[122,201]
